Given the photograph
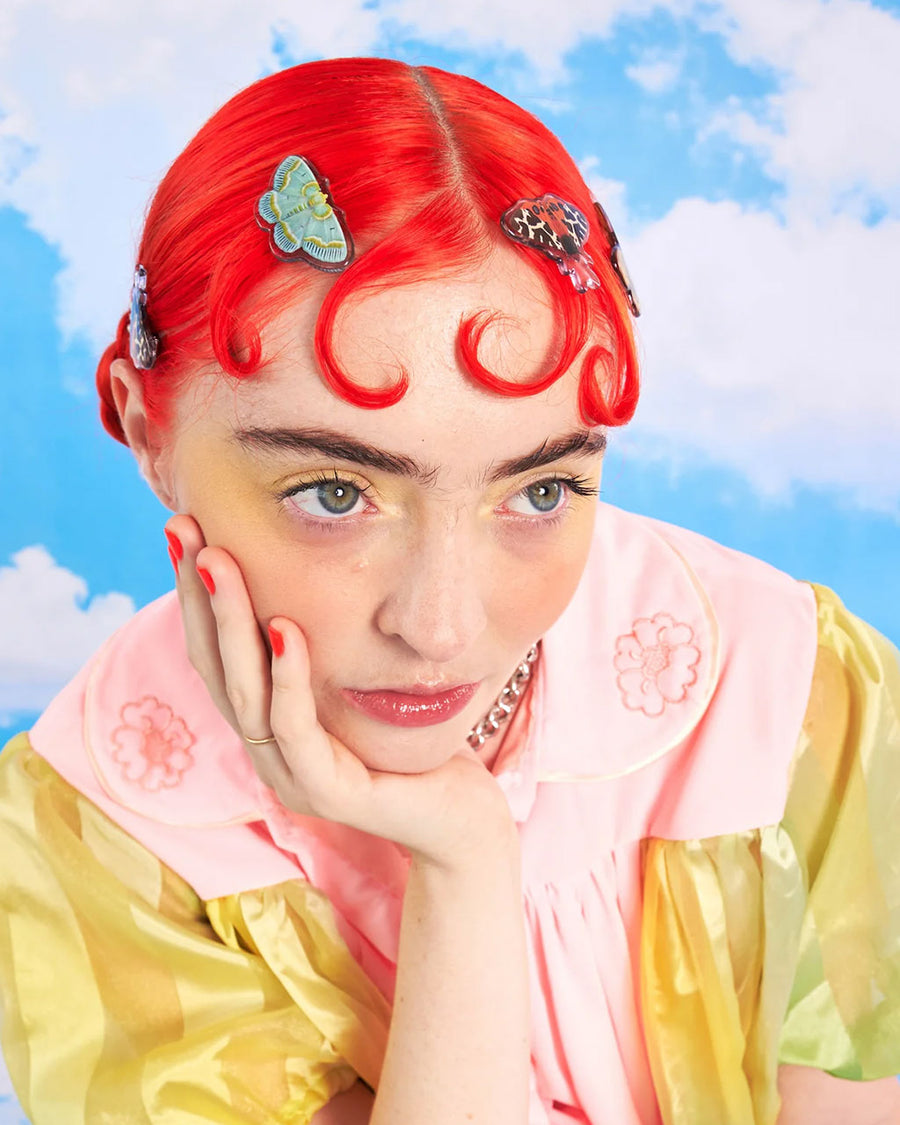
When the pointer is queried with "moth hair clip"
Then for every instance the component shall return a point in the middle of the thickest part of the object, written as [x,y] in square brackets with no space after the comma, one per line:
[617,259]
[142,343]
[559,230]
[302,220]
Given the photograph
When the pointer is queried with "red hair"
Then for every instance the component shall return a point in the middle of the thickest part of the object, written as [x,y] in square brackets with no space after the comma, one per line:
[423,163]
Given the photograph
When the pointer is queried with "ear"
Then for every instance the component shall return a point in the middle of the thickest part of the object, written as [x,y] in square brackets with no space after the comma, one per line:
[151,455]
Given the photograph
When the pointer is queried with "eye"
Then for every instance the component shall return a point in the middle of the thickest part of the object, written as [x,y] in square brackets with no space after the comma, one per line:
[544,496]
[327,498]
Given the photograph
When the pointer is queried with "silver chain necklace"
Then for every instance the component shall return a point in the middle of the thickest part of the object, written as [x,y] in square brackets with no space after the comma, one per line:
[506,702]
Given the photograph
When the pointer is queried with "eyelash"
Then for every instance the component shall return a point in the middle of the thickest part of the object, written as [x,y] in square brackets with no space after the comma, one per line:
[579,486]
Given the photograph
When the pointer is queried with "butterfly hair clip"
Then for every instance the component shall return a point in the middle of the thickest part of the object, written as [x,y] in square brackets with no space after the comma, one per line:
[302,220]
[142,343]
[559,230]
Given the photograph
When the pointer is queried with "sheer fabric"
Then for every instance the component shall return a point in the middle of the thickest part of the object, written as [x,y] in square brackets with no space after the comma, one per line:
[782,945]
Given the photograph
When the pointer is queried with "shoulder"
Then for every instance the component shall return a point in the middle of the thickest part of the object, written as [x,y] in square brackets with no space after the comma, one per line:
[846,767]
[137,734]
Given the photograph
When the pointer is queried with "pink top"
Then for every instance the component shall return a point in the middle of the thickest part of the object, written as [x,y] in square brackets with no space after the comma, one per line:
[667,702]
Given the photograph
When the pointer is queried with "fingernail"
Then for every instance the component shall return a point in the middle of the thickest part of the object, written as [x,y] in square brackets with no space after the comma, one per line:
[277,641]
[207,579]
[174,560]
[175,544]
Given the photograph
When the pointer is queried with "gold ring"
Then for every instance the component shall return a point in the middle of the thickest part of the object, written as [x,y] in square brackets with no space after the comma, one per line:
[259,741]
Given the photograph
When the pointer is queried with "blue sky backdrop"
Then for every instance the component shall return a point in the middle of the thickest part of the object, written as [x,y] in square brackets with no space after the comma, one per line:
[748,152]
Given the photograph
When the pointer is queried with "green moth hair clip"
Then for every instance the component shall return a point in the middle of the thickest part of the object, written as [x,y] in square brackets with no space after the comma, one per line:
[303,222]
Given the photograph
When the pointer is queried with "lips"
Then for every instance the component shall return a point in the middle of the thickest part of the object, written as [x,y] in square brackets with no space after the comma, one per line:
[414,706]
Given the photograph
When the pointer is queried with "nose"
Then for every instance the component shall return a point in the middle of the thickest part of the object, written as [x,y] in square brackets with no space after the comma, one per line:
[435,604]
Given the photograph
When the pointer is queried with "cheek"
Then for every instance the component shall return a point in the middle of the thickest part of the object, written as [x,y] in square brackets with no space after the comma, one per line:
[329,593]
[533,586]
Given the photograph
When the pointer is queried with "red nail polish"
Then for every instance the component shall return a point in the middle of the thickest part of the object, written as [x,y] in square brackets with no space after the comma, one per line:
[174,560]
[277,641]
[175,544]
[207,579]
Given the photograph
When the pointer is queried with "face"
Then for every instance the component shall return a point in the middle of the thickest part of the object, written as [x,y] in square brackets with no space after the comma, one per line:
[407,542]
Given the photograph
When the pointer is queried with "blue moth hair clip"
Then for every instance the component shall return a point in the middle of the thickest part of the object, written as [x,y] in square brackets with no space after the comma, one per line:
[142,343]
[303,222]
[559,230]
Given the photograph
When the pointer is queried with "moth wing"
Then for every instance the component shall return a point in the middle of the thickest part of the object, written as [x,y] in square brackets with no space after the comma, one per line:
[526,224]
[269,208]
[325,239]
[575,221]
[567,226]
[289,233]
[291,177]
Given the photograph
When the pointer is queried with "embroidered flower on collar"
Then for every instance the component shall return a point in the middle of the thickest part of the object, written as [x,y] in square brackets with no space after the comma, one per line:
[153,744]
[656,663]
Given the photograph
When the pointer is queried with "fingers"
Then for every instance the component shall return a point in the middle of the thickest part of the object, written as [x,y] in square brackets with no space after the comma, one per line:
[292,715]
[241,649]
[200,633]
[325,778]
[292,708]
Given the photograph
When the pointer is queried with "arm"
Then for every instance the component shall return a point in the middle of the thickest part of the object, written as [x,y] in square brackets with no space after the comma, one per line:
[812,1097]
[458,1049]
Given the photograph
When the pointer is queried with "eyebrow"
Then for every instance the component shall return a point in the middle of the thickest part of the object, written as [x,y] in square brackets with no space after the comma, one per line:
[341,446]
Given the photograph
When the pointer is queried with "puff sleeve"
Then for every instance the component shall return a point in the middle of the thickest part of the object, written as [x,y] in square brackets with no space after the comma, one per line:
[127,998]
[782,944]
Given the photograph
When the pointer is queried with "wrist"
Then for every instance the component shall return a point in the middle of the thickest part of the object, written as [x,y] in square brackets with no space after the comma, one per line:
[493,855]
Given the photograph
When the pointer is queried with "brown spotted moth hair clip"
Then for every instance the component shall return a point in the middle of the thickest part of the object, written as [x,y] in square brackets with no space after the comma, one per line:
[559,230]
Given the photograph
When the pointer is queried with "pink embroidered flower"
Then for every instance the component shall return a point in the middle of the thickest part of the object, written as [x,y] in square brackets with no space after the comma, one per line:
[153,745]
[656,663]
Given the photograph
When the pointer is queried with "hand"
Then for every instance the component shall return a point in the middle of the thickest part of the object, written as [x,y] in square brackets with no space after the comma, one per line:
[451,817]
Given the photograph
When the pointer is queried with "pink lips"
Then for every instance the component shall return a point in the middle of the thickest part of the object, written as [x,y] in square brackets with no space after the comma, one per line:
[407,709]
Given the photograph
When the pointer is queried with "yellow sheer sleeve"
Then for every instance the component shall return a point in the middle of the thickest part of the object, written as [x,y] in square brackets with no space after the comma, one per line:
[128,999]
[782,944]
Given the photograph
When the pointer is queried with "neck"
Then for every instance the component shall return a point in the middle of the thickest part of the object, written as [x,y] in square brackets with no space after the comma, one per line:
[510,732]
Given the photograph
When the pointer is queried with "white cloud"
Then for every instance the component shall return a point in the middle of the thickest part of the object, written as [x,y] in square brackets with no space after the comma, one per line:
[831,132]
[656,72]
[772,347]
[610,194]
[103,98]
[49,627]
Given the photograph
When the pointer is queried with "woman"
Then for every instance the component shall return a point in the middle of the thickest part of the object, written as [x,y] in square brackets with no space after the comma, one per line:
[438,791]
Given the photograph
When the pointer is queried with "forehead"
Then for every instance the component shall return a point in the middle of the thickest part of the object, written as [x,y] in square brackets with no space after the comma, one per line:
[445,418]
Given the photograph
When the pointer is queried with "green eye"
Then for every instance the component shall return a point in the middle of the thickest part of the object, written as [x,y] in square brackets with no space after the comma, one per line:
[325,499]
[553,495]
[545,495]
[337,496]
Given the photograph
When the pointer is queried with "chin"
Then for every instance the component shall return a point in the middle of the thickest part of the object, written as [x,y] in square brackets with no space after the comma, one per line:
[400,749]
